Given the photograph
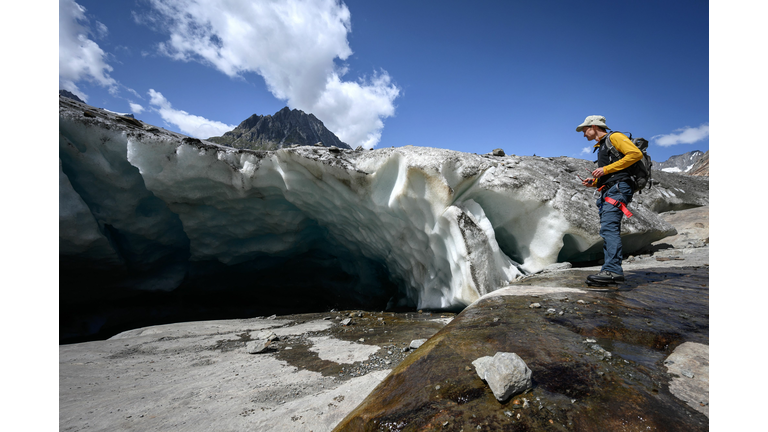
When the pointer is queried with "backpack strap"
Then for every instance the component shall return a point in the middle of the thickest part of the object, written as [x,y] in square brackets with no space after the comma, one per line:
[616,154]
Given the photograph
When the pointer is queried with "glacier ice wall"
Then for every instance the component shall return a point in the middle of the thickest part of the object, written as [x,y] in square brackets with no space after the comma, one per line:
[418,226]
[237,206]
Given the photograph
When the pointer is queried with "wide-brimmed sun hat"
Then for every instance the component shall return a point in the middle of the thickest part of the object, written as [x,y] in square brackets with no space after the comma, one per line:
[593,120]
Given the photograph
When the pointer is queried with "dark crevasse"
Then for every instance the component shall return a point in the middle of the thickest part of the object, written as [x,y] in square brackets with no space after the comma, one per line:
[311,282]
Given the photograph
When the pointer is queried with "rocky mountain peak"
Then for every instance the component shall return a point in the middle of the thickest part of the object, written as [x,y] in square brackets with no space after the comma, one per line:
[680,163]
[286,128]
[701,167]
[69,94]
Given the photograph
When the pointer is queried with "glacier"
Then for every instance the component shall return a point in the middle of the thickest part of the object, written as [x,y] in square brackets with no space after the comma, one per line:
[143,208]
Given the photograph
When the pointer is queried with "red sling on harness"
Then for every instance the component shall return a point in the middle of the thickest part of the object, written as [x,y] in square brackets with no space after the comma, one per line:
[620,205]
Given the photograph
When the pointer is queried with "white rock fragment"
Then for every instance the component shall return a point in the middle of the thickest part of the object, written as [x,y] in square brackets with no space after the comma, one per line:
[600,351]
[266,335]
[257,346]
[417,343]
[505,373]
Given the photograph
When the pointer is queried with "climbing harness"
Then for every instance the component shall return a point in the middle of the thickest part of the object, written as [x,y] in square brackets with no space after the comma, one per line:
[620,205]
[613,202]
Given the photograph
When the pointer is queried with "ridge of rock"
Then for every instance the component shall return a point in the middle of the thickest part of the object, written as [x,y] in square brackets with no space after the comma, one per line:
[701,167]
[679,163]
[285,128]
[69,94]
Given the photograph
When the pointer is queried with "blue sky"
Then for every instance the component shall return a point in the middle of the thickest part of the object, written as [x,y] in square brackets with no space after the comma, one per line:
[467,76]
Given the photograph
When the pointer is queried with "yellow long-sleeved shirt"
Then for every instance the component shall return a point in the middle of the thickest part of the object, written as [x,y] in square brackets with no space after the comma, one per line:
[631,153]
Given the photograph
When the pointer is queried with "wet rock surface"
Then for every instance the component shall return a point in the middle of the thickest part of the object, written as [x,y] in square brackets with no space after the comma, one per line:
[597,359]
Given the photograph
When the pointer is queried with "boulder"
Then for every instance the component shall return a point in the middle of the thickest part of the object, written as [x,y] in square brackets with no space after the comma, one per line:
[506,374]
[256,346]
[267,335]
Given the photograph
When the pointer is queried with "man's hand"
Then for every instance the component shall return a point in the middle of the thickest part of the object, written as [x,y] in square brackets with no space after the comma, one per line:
[598,173]
[587,182]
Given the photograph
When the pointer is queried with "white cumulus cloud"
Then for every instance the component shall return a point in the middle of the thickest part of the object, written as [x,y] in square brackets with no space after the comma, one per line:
[686,135]
[136,108]
[80,58]
[293,45]
[190,124]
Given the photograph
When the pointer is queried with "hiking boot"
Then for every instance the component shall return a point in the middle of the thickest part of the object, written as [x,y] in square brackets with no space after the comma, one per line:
[605,277]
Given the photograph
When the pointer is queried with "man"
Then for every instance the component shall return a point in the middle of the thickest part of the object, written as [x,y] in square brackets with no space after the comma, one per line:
[616,188]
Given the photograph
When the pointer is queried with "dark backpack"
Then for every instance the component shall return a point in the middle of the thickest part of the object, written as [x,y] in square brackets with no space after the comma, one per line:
[640,171]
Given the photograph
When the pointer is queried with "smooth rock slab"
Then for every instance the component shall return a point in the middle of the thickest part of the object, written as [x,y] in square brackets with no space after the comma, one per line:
[198,376]
[576,385]
[690,363]
[339,351]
